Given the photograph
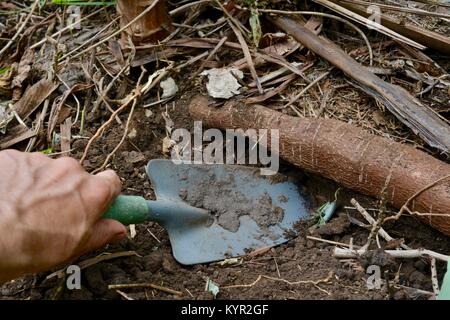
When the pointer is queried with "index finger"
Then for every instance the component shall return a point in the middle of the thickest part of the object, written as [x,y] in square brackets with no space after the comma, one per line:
[114,182]
[100,191]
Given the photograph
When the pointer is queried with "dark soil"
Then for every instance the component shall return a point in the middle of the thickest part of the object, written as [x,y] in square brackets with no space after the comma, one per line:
[300,269]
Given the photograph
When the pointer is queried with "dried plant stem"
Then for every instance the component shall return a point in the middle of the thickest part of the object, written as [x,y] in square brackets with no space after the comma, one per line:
[70,26]
[106,39]
[260,277]
[400,9]
[401,254]
[248,56]
[186,6]
[309,86]
[329,241]
[130,99]
[210,55]
[127,126]
[372,222]
[105,125]
[145,285]
[434,279]
[418,193]
[22,26]
[90,262]
[326,15]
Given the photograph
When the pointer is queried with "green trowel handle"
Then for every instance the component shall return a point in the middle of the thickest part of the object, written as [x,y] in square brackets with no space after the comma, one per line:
[128,210]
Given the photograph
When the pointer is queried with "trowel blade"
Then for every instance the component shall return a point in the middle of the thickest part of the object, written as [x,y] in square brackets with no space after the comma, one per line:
[194,243]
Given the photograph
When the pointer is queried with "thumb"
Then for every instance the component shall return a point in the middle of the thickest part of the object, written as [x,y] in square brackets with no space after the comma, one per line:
[105,231]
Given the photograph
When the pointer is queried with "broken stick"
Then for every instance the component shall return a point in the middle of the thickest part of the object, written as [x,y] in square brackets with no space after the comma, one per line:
[400,254]
[428,38]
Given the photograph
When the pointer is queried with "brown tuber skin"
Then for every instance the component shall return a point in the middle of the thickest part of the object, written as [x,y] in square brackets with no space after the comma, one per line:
[346,154]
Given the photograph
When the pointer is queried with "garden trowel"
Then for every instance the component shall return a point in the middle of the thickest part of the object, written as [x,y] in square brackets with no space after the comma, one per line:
[195,234]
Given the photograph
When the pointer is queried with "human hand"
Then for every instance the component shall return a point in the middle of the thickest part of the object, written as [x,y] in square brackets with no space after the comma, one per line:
[51,212]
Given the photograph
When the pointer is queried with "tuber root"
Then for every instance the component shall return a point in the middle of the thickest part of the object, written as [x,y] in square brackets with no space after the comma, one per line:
[350,156]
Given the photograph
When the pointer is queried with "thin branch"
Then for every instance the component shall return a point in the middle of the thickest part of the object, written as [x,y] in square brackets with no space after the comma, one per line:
[22,26]
[145,285]
[142,14]
[248,56]
[405,206]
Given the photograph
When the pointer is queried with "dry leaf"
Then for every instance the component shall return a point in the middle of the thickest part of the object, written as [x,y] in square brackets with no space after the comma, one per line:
[222,83]
[24,69]
[33,97]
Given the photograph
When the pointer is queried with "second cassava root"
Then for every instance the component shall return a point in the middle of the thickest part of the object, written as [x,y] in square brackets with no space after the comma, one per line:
[351,156]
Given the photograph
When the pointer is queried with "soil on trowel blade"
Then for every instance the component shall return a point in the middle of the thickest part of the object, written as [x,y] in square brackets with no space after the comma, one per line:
[227,204]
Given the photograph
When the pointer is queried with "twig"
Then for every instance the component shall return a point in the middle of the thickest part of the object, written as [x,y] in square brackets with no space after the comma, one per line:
[93,38]
[142,14]
[434,279]
[187,290]
[276,265]
[40,124]
[427,89]
[150,84]
[103,94]
[244,285]
[274,74]
[211,54]
[191,61]
[326,15]
[239,25]
[105,163]
[329,241]
[54,154]
[123,294]
[405,206]
[260,277]
[259,251]
[145,285]
[93,261]
[372,221]
[22,26]
[360,19]
[248,56]
[154,237]
[87,101]
[416,291]
[125,133]
[70,26]
[182,8]
[401,9]
[401,254]
[309,86]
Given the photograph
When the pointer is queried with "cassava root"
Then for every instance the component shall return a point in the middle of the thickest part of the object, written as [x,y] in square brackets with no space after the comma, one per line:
[348,155]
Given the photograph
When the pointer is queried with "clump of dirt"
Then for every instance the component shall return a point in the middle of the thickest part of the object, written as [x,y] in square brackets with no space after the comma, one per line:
[336,226]
[379,258]
[227,204]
